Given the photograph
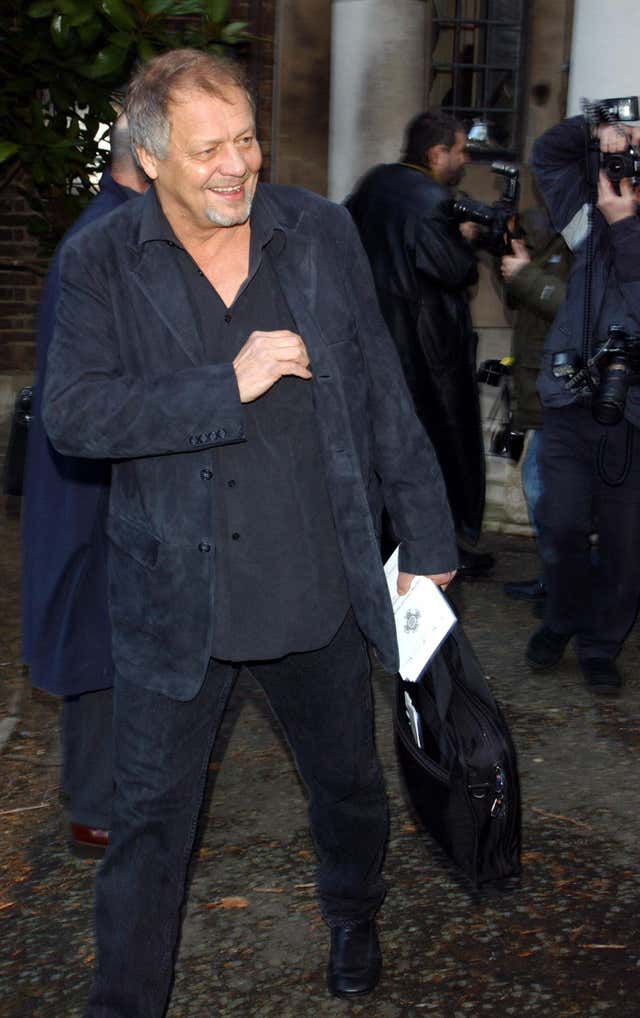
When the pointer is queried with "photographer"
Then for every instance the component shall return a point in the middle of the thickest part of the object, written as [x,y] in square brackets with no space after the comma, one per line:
[423,263]
[591,470]
[534,277]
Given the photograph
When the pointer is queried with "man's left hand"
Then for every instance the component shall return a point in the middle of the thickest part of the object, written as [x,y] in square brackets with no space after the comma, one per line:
[441,580]
[510,265]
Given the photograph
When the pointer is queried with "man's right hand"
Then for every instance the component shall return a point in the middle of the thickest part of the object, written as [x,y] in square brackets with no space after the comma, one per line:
[265,358]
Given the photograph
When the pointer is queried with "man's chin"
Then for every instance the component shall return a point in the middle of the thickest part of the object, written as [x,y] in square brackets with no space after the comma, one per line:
[234,217]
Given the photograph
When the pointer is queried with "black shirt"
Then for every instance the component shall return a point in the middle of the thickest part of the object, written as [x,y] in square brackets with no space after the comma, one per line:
[280,585]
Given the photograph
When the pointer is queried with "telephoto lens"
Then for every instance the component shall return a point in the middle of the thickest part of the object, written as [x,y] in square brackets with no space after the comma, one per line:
[610,397]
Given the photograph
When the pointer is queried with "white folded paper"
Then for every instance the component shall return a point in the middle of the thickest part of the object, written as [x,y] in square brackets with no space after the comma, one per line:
[423,619]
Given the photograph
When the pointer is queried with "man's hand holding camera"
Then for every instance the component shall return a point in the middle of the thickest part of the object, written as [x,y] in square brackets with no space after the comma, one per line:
[510,265]
[615,204]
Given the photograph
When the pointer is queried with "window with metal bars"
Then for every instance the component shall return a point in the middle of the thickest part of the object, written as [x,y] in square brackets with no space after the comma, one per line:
[477,57]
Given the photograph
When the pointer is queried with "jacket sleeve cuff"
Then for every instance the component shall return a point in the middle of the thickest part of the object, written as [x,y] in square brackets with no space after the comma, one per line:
[412,558]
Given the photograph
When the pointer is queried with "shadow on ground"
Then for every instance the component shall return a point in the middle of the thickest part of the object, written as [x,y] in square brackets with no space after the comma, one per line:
[253,944]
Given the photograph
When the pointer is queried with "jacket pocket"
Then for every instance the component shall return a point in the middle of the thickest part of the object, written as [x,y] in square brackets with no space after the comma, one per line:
[132,538]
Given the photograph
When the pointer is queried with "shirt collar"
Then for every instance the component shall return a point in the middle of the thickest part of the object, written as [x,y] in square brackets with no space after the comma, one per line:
[156,226]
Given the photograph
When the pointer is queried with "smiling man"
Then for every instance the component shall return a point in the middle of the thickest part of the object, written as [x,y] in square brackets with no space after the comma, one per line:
[221,344]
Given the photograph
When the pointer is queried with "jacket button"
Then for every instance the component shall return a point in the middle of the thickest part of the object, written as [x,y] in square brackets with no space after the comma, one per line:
[203,546]
[235,536]
[231,483]
[206,475]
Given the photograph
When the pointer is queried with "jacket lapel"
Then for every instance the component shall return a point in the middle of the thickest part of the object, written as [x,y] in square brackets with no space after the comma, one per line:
[158,276]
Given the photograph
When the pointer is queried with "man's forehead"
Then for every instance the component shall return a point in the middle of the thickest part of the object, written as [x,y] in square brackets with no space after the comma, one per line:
[230,101]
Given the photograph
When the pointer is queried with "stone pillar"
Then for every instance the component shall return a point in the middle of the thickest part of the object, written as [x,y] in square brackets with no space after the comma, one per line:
[604,52]
[377,84]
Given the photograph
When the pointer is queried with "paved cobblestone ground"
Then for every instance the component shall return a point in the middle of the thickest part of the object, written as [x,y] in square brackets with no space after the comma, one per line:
[565,944]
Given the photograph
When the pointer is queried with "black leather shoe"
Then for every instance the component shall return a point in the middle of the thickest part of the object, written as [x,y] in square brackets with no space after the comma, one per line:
[546,648]
[474,563]
[354,962]
[601,675]
[526,590]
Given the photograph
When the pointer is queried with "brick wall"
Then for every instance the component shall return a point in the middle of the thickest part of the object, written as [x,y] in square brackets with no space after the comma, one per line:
[261,17]
[19,283]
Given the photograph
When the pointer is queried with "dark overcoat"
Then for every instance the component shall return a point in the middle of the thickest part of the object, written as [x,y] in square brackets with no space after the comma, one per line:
[422,268]
[66,633]
[127,380]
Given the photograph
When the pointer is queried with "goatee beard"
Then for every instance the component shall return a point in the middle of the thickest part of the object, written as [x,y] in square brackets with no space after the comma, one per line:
[236,218]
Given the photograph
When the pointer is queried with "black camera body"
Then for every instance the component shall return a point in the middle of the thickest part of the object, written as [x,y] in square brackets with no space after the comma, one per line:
[496,220]
[607,375]
[618,165]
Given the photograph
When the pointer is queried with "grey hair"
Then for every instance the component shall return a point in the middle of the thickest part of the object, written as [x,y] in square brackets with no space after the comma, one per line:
[154,86]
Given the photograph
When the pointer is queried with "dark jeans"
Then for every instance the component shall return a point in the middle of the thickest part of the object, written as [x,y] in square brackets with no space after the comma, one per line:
[323,701]
[87,757]
[596,602]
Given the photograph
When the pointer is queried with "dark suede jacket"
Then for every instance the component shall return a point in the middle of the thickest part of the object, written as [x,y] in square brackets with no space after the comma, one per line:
[127,380]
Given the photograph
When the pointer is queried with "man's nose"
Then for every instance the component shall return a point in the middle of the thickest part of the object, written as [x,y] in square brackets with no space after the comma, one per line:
[232,161]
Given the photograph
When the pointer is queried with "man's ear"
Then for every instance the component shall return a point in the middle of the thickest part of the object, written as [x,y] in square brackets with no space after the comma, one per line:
[148,162]
[433,156]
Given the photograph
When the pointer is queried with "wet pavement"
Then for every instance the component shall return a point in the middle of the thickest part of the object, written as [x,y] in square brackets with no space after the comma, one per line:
[253,944]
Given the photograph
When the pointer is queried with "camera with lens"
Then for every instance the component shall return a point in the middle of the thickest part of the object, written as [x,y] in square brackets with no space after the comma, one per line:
[616,165]
[606,376]
[497,221]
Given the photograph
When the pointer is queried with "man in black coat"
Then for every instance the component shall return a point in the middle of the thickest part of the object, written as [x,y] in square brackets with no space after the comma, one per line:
[66,634]
[220,343]
[423,264]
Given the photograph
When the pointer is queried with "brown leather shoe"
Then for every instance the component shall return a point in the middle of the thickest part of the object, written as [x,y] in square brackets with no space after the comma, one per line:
[88,842]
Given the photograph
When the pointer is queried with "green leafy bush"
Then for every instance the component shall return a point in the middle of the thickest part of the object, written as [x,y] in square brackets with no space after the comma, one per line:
[63,66]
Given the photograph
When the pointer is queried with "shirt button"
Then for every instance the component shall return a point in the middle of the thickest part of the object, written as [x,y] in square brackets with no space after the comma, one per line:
[227,318]
[206,475]
[203,546]
[235,535]
[231,484]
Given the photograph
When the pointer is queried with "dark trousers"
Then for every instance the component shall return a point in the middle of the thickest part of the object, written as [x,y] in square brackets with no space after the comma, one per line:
[595,601]
[162,747]
[87,757]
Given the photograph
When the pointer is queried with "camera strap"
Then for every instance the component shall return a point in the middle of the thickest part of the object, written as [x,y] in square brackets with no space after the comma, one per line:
[592,197]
